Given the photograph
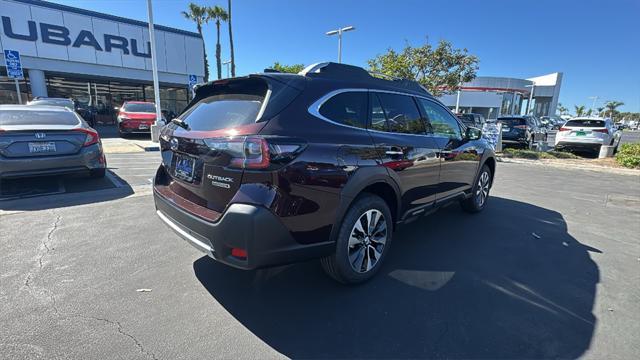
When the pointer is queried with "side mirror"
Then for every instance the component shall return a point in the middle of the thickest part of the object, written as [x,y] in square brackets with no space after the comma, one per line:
[473,133]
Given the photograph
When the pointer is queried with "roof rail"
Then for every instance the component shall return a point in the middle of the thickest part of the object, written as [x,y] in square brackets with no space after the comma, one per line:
[351,72]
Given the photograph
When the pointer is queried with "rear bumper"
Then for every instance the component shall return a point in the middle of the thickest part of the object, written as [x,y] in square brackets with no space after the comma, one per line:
[584,143]
[89,158]
[249,227]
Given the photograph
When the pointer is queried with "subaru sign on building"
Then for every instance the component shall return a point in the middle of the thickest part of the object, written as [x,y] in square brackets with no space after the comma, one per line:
[98,59]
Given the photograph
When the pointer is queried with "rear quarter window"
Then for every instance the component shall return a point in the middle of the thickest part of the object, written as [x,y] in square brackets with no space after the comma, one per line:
[347,108]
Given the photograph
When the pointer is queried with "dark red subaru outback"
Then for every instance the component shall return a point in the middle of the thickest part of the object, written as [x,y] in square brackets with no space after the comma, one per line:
[276,168]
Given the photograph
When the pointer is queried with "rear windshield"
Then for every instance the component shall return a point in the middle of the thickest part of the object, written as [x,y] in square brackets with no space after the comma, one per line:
[223,111]
[143,108]
[467,119]
[24,117]
[513,121]
[64,103]
[585,123]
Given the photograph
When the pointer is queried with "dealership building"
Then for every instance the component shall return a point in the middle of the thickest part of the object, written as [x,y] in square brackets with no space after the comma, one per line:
[97,59]
[496,96]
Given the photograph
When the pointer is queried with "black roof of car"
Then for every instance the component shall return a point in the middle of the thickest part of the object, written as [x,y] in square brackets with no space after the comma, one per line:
[349,75]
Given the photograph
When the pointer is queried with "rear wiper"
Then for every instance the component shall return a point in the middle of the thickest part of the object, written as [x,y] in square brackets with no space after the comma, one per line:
[180,123]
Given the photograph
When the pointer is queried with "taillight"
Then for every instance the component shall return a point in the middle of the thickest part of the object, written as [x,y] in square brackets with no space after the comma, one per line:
[90,138]
[564,129]
[254,152]
[604,131]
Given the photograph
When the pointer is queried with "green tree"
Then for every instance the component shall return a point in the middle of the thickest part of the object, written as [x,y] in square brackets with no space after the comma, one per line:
[579,110]
[233,58]
[217,14]
[198,14]
[589,112]
[612,106]
[600,111]
[294,69]
[563,110]
[441,69]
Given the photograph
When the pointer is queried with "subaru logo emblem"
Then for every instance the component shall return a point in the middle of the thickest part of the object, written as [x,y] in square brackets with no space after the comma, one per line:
[40,135]
[173,144]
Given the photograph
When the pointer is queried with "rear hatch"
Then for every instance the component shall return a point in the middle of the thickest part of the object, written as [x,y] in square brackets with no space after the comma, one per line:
[35,133]
[584,129]
[207,149]
[513,127]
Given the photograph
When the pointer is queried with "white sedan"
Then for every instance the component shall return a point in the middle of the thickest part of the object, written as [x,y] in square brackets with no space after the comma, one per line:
[587,134]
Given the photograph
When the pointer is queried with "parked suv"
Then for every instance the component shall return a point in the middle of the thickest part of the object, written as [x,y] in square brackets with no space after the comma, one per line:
[587,134]
[136,117]
[523,130]
[274,168]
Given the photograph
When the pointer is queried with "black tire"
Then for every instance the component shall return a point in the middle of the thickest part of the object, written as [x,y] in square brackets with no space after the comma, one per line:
[97,173]
[478,199]
[338,265]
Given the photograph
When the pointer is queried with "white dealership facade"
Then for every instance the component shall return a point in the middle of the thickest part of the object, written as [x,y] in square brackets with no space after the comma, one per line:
[496,96]
[93,57]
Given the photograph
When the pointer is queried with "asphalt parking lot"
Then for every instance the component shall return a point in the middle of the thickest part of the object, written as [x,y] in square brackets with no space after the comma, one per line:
[549,270]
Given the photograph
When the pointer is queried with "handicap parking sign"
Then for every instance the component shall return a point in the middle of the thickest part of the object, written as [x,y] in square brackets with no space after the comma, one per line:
[192,80]
[12,61]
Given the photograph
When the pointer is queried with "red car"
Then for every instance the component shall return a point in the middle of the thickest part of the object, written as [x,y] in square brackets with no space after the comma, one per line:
[136,117]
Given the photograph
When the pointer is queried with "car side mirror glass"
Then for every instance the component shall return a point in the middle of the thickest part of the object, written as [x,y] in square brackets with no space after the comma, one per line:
[473,133]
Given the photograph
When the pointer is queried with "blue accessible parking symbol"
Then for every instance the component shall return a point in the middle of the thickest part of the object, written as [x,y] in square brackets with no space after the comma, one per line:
[14,67]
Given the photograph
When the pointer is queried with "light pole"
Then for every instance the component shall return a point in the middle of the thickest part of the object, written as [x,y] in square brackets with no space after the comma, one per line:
[593,105]
[155,127]
[339,32]
[533,87]
[226,64]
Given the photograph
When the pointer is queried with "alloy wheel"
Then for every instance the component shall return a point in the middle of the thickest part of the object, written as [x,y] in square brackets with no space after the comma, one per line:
[482,191]
[367,240]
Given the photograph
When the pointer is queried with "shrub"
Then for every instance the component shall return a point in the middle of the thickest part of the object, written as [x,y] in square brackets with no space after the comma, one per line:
[629,155]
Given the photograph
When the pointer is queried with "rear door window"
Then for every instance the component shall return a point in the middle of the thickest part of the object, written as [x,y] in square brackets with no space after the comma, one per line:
[586,123]
[347,108]
[401,113]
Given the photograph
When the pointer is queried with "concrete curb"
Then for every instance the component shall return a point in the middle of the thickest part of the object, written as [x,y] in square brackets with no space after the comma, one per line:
[563,164]
[148,147]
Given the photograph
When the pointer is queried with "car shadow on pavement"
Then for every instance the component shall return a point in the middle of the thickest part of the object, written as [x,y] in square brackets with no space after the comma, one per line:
[509,282]
[50,192]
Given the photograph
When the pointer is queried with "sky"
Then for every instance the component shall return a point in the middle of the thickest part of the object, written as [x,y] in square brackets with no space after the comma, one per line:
[596,44]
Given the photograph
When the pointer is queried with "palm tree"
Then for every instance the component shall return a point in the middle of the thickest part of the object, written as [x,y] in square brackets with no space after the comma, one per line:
[217,14]
[601,111]
[612,106]
[233,59]
[563,110]
[198,14]
[579,110]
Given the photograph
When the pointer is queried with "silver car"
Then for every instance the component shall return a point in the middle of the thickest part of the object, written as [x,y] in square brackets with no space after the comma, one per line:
[47,140]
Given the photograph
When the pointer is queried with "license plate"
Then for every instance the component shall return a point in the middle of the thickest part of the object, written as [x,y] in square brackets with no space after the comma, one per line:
[143,127]
[42,147]
[580,133]
[184,167]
